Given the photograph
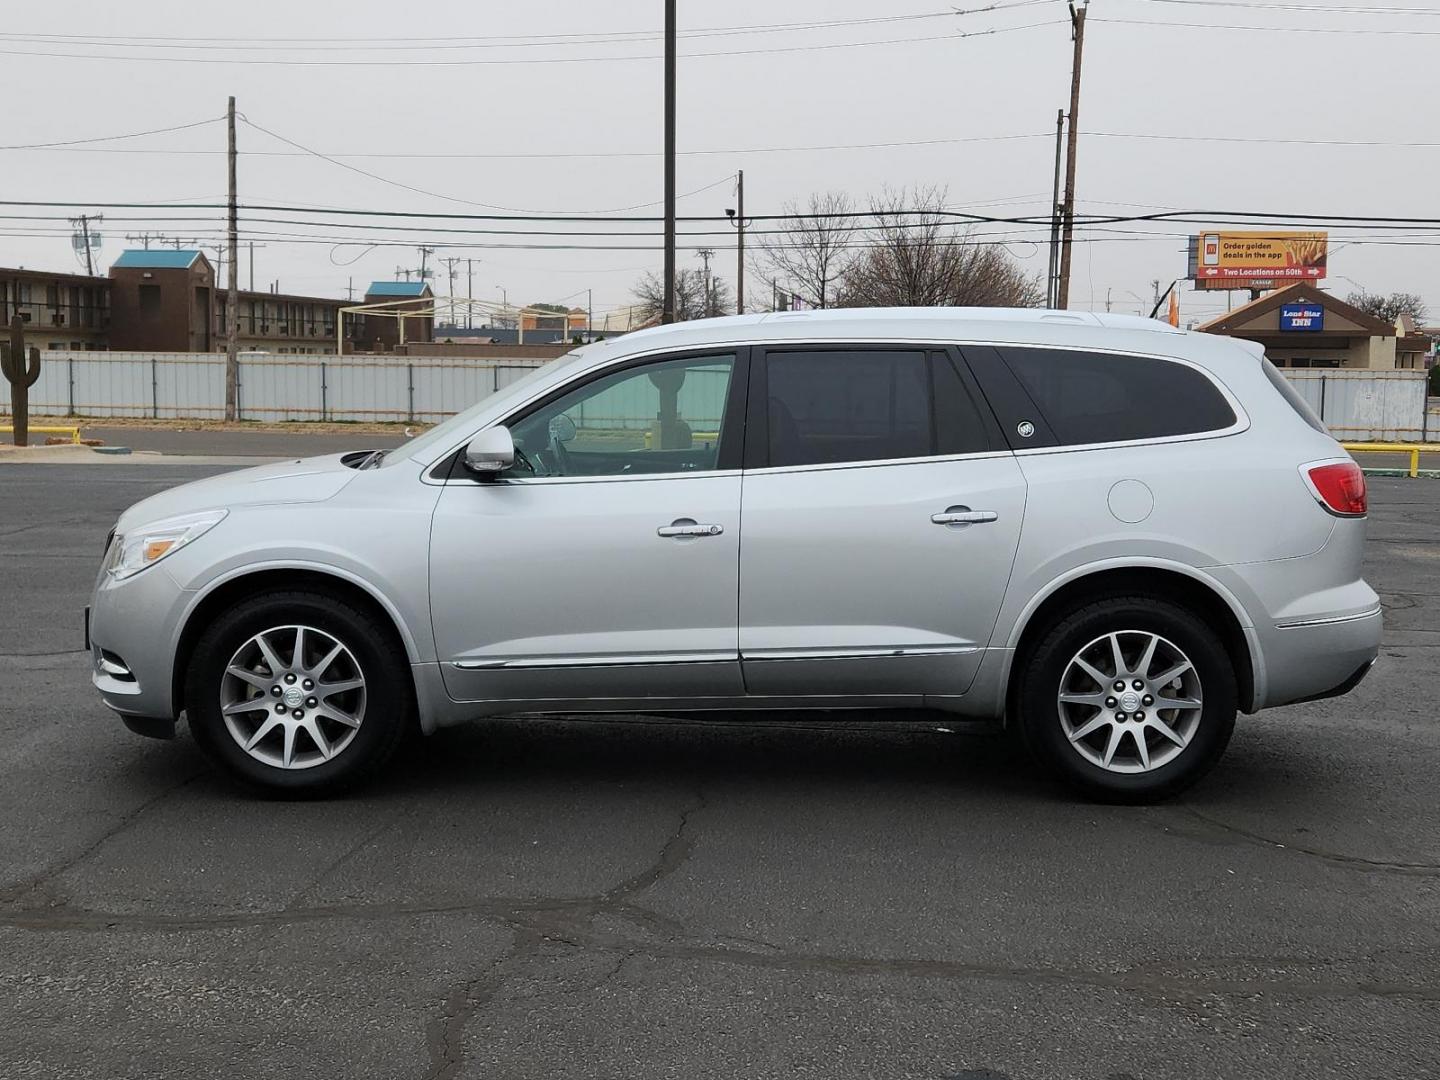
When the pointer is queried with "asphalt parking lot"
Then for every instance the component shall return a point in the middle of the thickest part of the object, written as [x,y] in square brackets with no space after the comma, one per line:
[651,899]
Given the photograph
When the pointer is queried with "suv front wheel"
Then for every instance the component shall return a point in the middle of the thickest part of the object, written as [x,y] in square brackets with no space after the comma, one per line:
[299,692]
[1131,699]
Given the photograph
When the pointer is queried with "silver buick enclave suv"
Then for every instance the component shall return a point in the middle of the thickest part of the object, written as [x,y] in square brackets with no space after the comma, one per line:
[1109,534]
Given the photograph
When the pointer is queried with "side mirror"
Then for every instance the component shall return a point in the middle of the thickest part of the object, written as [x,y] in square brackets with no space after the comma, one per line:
[490,452]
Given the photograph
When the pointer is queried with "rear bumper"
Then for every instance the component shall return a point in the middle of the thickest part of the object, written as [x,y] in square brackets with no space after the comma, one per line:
[1321,657]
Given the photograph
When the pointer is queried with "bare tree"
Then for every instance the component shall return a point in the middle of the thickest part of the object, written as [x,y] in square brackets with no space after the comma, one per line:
[692,298]
[1389,307]
[917,256]
[811,251]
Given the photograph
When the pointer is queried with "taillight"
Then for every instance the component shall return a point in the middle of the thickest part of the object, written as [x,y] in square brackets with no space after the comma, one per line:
[1340,487]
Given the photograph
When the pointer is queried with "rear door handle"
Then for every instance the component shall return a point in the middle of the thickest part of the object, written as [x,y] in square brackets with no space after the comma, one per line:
[689,527]
[961,516]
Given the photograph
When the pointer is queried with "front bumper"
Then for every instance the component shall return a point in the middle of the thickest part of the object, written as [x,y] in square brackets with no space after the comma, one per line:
[131,629]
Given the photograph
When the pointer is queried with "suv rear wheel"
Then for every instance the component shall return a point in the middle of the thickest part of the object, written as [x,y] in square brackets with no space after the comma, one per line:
[1131,699]
[298,692]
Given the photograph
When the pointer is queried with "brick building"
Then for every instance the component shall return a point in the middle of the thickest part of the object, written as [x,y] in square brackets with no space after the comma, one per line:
[166,300]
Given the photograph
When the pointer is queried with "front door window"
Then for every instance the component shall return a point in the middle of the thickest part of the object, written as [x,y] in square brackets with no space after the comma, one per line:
[666,417]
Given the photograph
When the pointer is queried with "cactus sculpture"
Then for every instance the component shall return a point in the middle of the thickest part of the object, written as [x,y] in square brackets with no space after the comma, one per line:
[22,371]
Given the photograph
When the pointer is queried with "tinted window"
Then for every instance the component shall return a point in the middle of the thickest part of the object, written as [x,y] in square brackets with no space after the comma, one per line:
[959,428]
[1291,395]
[848,405]
[657,418]
[1101,397]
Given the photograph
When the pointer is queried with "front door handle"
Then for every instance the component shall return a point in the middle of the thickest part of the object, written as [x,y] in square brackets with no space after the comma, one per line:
[689,527]
[960,516]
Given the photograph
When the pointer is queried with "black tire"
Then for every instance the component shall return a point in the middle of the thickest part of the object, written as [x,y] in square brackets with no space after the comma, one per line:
[389,711]
[1038,683]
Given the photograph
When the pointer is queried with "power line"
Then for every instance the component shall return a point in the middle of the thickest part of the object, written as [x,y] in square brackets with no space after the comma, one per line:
[734,151]
[545,155]
[505,40]
[1195,215]
[1291,29]
[251,61]
[1251,5]
[113,138]
[440,195]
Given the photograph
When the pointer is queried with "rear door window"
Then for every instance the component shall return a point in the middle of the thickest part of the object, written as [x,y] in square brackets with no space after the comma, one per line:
[1094,397]
[829,406]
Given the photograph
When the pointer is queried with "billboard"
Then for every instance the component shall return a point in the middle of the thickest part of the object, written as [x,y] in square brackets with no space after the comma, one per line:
[1254,260]
[1303,318]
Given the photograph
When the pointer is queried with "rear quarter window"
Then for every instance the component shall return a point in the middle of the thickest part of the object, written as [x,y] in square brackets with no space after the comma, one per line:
[1094,397]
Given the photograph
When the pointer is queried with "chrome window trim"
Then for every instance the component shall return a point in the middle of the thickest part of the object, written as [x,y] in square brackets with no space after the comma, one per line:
[539,481]
[875,463]
[1242,418]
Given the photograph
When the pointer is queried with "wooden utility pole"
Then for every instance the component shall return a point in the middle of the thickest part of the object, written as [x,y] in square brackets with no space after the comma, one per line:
[1050,277]
[452,261]
[667,309]
[1068,235]
[232,301]
[469,293]
[740,243]
[84,222]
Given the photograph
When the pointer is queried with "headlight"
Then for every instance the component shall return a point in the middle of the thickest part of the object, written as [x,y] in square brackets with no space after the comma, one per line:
[134,551]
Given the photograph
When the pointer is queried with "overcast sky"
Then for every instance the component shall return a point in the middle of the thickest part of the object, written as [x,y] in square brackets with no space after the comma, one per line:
[494,85]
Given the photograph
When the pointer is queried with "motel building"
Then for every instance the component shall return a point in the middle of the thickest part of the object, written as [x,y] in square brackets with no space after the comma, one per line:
[1303,327]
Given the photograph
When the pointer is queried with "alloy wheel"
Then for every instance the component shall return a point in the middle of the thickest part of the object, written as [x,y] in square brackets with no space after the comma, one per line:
[293,697]
[1130,701]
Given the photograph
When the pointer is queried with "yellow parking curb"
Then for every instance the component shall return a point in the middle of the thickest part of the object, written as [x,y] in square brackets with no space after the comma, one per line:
[73,432]
[1413,449]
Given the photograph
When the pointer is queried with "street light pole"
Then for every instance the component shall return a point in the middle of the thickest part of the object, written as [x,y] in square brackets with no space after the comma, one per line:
[740,242]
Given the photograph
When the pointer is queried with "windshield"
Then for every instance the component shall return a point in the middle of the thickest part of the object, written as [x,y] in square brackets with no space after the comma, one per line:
[443,434]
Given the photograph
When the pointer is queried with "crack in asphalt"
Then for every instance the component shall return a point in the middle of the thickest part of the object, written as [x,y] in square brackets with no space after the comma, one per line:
[15,892]
[1333,857]
[445,1034]
[566,922]
[543,922]
[340,860]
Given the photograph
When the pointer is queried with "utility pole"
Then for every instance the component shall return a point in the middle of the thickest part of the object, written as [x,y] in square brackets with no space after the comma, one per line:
[469,294]
[740,242]
[144,238]
[232,302]
[1051,283]
[667,310]
[705,255]
[84,222]
[1077,18]
[589,314]
[350,288]
[451,262]
[425,253]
